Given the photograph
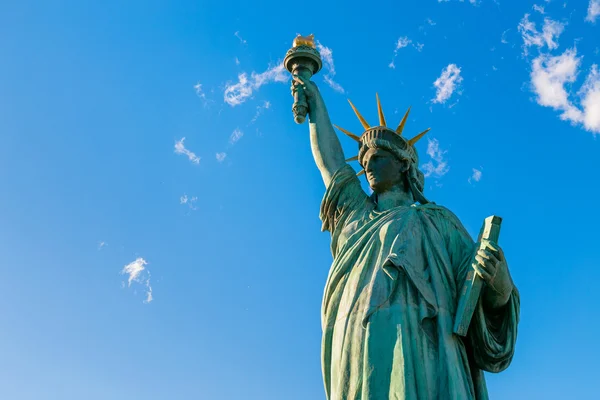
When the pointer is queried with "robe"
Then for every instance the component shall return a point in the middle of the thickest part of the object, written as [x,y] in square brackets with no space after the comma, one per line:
[390,299]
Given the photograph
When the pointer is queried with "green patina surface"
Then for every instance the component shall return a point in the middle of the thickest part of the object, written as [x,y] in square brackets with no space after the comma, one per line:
[399,264]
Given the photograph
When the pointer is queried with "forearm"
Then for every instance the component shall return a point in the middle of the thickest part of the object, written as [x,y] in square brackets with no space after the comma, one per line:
[326,148]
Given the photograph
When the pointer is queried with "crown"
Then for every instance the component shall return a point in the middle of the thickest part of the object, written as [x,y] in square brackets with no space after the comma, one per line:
[383,137]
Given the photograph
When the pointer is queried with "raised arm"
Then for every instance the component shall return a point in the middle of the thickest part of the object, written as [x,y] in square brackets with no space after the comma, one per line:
[326,148]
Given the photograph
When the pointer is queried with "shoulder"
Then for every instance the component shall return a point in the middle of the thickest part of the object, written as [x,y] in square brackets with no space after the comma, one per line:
[440,215]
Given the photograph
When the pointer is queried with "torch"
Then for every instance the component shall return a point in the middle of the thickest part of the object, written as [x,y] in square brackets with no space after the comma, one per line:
[303,60]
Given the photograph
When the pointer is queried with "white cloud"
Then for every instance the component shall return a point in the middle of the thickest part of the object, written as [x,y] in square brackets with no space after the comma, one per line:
[199,92]
[180,149]
[101,245]
[590,100]
[190,201]
[221,156]
[237,61]
[593,11]
[235,136]
[551,30]
[538,8]
[447,83]
[462,1]
[149,297]
[135,270]
[237,35]
[430,21]
[503,37]
[476,176]
[402,42]
[437,165]
[259,110]
[327,56]
[236,94]
[551,81]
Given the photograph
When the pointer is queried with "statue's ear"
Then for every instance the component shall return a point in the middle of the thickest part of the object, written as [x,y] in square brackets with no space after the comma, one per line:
[404,165]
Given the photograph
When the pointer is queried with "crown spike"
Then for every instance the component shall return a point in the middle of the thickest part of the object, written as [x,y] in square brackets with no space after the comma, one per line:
[362,172]
[352,135]
[400,127]
[364,123]
[355,158]
[419,136]
[380,111]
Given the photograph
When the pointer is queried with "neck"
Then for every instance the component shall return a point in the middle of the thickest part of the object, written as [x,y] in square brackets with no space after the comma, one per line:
[394,197]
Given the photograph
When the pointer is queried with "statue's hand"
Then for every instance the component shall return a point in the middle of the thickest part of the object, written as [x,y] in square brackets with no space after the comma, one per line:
[308,87]
[491,266]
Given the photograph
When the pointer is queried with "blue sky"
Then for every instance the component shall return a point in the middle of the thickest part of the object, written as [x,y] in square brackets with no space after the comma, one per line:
[153,142]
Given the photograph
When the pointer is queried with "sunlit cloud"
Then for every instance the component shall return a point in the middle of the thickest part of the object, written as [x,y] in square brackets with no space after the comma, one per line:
[190,201]
[137,272]
[180,149]
[593,11]
[329,67]
[551,30]
[475,176]
[238,93]
[236,135]
[448,82]
[237,35]
[437,166]
[552,77]
[402,42]
[259,110]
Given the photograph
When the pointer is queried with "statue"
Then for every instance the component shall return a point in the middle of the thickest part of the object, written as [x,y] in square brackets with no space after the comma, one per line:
[392,292]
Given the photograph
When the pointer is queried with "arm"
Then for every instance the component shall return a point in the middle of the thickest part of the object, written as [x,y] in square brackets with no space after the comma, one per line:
[326,148]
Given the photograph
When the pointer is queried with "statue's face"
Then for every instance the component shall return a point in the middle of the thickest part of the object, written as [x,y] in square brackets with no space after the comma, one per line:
[383,170]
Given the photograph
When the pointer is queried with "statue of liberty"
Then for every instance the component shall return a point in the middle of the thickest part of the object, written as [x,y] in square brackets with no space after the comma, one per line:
[398,264]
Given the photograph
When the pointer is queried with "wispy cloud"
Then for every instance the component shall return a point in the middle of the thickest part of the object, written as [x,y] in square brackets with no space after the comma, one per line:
[402,42]
[238,93]
[552,77]
[503,37]
[259,110]
[426,25]
[101,245]
[474,2]
[551,80]
[199,92]
[437,166]
[548,37]
[135,271]
[180,149]
[329,66]
[448,82]
[538,8]
[221,156]
[475,176]
[236,136]
[189,201]
[593,11]
[237,35]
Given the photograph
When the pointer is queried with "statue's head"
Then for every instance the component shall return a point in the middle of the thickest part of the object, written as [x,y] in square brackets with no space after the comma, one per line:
[387,158]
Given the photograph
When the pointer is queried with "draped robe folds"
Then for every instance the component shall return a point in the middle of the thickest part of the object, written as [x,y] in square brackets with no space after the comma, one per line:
[390,300]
